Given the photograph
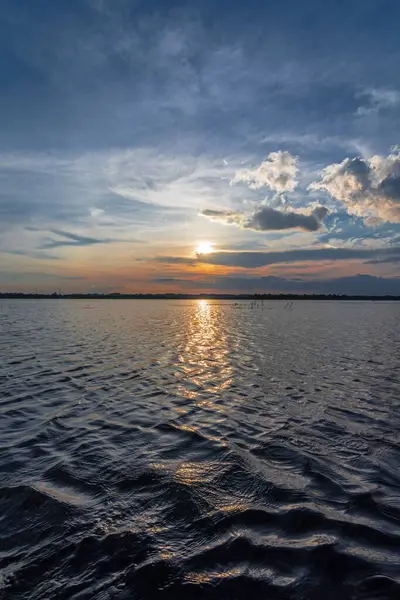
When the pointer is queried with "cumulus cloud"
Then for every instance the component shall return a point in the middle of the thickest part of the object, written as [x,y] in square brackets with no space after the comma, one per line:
[270,219]
[369,188]
[278,172]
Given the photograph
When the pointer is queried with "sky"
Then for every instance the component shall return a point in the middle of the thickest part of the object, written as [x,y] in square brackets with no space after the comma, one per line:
[136,136]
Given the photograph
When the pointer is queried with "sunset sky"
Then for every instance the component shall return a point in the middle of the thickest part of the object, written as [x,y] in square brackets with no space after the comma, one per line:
[203,146]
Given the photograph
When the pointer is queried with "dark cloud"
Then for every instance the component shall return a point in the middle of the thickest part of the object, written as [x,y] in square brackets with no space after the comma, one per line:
[270,219]
[259,259]
[72,239]
[353,285]
[252,260]
[387,259]
[175,260]
[168,280]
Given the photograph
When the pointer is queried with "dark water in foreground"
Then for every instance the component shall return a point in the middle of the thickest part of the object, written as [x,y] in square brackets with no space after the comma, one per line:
[189,449]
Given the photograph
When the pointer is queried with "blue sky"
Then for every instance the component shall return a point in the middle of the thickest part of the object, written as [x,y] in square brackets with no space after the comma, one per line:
[133,131]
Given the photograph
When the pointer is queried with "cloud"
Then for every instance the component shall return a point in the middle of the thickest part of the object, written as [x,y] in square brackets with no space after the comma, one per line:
[384,260]
[378,99]
[174,260]
[369,188]
[267,219]
[7,277]
[224,216]
[253,260]
[146,177]
[270,219]
[259,259]
[72,239]
[227,217]
[169,280]
[278,172]
[360,284]
[30,253]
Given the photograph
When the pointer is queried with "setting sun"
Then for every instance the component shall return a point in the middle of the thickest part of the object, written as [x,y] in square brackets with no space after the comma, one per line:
[204,248]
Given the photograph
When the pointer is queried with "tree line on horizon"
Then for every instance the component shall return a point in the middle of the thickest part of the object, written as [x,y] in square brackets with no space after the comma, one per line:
[182,296]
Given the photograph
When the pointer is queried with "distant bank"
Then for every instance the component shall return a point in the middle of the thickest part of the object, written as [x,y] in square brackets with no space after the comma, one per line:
[116,296]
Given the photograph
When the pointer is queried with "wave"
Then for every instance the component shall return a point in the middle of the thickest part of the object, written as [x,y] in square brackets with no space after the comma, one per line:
[219,455]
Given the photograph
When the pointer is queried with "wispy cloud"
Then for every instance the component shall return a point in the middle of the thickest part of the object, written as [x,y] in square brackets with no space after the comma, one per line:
[149,176]
[385,259]
[36,254]
[377,100]
[72,239]
[8,278]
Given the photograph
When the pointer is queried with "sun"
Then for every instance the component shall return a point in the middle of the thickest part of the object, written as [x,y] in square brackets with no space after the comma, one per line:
[204,248]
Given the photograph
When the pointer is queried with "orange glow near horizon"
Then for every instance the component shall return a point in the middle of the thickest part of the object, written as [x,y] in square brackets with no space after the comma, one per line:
[119,270]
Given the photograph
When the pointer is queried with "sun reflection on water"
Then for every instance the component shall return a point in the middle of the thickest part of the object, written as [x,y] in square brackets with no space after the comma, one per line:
[204,372]
[205,357]
[202,578]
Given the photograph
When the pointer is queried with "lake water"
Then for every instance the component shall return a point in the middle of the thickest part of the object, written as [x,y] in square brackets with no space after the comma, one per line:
[194,449]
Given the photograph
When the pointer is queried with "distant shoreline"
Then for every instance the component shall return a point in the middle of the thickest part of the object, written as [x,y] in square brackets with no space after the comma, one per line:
[116,296]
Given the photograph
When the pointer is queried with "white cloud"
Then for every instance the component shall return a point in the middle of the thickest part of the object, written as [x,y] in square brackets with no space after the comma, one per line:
[172,180]
[148,175]
[369,188]
[278,172]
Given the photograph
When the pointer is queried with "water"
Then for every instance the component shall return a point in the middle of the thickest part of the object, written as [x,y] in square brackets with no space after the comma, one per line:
[193,449]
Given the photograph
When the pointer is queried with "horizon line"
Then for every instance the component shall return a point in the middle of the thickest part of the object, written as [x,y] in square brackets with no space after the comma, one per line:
[201,296]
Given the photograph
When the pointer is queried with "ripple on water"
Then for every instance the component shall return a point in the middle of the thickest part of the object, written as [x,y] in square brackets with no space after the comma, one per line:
[191,450]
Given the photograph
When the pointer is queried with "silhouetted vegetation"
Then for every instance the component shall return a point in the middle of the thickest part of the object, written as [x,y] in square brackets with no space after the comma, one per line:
[115,295]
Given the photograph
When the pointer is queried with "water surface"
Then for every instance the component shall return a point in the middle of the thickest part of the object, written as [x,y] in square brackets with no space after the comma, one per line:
[194,449]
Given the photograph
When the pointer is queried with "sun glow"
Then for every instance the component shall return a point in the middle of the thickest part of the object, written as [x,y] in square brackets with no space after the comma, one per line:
[204,248]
